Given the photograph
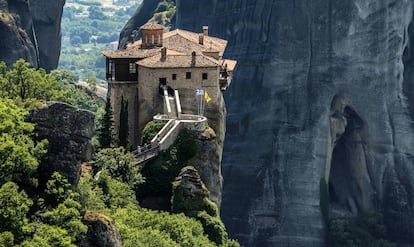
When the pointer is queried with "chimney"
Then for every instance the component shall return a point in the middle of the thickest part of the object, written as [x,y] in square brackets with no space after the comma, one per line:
[132,38]
[163,54]
[205,30]
[193,59]
[201,39]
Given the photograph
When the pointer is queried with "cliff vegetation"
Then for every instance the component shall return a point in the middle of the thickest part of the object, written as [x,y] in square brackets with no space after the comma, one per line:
[47,205]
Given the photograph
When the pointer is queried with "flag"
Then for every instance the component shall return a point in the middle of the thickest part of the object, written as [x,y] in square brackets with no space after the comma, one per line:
[206,97]
[199,92]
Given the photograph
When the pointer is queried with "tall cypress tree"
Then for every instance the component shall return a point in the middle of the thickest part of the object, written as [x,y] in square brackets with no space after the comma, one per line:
[106,128]
[123,125]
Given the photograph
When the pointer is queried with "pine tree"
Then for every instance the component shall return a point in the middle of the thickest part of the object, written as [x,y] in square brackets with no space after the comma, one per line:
[106,122]
[123,125]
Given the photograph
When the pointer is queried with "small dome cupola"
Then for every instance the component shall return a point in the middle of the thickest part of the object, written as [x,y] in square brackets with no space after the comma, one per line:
[152,35]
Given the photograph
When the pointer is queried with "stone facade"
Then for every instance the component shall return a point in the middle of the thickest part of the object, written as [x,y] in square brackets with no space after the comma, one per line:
[144,100]
[183,64]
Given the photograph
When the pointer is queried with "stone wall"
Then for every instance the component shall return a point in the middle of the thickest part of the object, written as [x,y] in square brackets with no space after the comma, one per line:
[129,92]
[151,103]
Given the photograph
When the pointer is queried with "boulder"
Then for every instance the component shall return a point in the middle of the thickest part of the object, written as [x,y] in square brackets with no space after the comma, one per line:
[208,163]
[102,231]
[191,184]
[69,131]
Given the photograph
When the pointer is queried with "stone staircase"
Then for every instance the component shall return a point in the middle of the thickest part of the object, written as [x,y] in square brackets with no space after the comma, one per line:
[168,134]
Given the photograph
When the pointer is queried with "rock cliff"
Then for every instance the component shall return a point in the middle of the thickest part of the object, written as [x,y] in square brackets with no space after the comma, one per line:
[69,131]
[322,89]
[31,30]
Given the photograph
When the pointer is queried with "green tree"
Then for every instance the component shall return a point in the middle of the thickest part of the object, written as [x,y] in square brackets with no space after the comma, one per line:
[14,206]
[75,40]
[150,131]
[49,236]
[66,216]
[106,126]
[58,189]
[120,165]
[63,76]
[366,230]
[24,82]
[123,131]
[136,226]
[118,194]
[6,239]
[19,154]
[91,196]
[96,13]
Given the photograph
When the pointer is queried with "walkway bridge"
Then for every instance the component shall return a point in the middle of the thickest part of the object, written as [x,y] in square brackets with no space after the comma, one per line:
[176,121]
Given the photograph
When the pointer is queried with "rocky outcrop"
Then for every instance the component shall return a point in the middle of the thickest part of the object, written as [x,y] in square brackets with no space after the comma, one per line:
[190,183]
[31,30]
[208,163]
[284,132]
[102,231]
[69,131]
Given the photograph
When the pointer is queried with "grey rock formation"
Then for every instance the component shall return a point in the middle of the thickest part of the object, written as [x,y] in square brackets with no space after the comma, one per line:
[102,231]
[69,131]
[322,89]
[31,30]
[191,184]
[208,163]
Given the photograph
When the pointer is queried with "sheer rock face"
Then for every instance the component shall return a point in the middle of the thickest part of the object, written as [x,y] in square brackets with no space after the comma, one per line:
[208,163]
[31,30]
[322,89]
[69,131]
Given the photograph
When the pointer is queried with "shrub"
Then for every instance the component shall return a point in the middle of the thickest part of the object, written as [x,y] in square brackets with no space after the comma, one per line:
[367,230]
[151,130]
[190,206]
[213,227]
[186,146]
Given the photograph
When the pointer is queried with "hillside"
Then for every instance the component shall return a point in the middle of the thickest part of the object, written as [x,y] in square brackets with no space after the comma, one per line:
[88,28]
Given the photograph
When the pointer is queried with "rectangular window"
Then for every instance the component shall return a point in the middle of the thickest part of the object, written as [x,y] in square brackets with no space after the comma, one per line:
[174,76]
[132,68]
[205,76]
[188,75]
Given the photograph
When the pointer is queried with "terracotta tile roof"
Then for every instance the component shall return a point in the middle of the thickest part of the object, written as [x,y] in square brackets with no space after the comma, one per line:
[231,64]
[185,41]
[152,26]
[181,39]
[135,52]
[178,61]
[178,40]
